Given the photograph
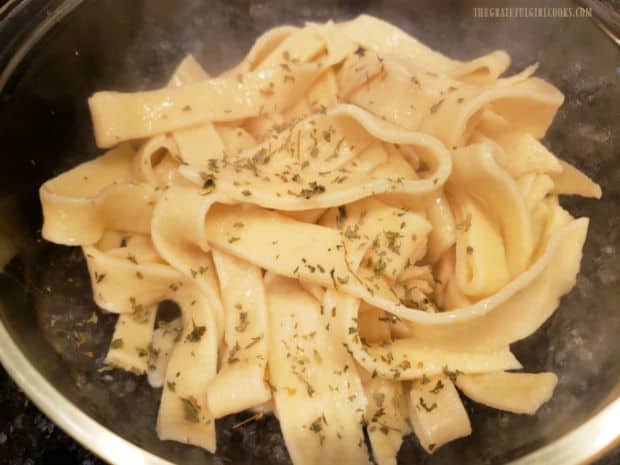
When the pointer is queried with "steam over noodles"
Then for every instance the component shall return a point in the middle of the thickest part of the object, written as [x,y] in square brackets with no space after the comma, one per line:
[354,226]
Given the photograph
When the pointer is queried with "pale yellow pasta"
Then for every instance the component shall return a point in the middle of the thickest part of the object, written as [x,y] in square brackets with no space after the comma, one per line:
[246,337]
[318,394]
[353,226]
[514,392]
[436,412]
[386,415]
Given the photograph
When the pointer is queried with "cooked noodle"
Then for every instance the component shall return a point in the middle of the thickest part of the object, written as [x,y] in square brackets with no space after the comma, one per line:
[353,225]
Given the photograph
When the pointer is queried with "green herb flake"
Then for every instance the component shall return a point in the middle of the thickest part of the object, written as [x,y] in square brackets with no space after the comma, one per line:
[313,189]
[436,106]
[191,409]
[451,375]
[243,322]
[352,233]
[438,387]
[140,313]
[316,426]
[344,280]
[209,183]
[254,341]
[405,364]
[342,216]
[379,267]
[425,406]
[232,356]
[332,274]
[393,241]
[196,334]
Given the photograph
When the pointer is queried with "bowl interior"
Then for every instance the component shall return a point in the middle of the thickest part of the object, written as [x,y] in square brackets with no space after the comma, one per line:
[45,300]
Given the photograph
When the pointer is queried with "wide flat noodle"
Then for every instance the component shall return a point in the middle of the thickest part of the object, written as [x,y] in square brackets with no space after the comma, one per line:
[410,358]
[524,154]
[267,89]
[518,309]
[164,339]
[481,268]
[437,413]
[130,346]
[318,396]
[451,110]
[573,181]
[529,105]
[81,203]
[178,236]
[240,382]
[125,279]
[444,227]
[387,419]
[477,174]
[294,249]
[119,117]
[387,39]
[513,392]
[183,414]
[312,164]
[192,142]
[380,235]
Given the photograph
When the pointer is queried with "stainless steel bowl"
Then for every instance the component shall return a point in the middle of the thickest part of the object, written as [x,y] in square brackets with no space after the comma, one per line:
[55,53]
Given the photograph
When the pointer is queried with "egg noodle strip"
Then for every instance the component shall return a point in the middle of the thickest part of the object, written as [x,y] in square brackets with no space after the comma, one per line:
[318,394]
[354,227]
[246,338]
[386,415]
